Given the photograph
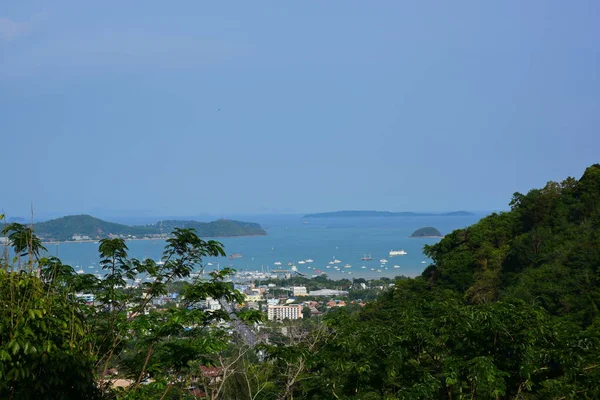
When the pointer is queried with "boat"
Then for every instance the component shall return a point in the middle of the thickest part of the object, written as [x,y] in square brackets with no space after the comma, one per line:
[336,261]
[423,262]
[309,260]
[397,253]
[396,266]
[378,270]
[366,257]
[234,256]
[363,267]
[300,262]
[80,271]
[372,269]
[277,263]
[331,263]
[383,261]
[347,266]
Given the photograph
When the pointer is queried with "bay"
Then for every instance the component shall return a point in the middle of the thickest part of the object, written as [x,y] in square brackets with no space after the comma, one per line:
[291,239]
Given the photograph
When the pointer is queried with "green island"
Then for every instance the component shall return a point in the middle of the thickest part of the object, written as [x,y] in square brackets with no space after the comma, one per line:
[86,227]
[428,231]
[370,213]
[509,308]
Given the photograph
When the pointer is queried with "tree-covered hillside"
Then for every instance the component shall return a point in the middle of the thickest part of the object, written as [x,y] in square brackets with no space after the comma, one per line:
[507,310]
[545,251]
[219,228]
[62,229]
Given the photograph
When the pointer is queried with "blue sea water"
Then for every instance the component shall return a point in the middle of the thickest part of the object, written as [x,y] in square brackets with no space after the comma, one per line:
[289,239]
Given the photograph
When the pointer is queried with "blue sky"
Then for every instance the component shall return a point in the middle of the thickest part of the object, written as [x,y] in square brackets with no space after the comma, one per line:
[260,107]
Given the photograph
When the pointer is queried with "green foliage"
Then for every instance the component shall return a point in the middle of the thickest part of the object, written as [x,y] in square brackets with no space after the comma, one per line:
[507,310]
[56,346]
[22,239]
[43,348]
[546,251]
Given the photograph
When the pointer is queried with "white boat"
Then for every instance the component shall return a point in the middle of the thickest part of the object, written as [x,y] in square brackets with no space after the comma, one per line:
[397,253]
[209,264]
[329,266]
[347,266]
[80,271]
[396,266]
[336,261]
[277,263]
[363,267]
[309,260]
[423,262]
[294,268]
[378,270]
[372,269]
[383,261]
[331,263]
[300,262]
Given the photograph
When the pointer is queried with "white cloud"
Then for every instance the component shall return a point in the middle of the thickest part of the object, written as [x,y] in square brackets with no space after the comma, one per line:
[10,29]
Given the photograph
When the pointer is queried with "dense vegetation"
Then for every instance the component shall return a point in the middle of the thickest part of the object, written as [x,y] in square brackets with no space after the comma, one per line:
[508,309]
[53,345]
[428,231]
[62,229]
[369,213]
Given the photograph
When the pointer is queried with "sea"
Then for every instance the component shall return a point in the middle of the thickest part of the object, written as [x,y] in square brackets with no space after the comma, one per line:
[292,238]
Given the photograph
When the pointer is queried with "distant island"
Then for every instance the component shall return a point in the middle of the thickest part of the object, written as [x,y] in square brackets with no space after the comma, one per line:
[356,214]
[86,227]
[428,231]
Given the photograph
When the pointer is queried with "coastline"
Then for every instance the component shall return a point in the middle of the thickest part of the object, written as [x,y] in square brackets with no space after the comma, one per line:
[136,239]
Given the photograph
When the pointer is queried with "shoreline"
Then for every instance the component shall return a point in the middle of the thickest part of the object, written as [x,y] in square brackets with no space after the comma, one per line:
[136,239]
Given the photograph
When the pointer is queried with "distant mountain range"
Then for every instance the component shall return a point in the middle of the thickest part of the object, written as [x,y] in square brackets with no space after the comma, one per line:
[367,213]
[86,227]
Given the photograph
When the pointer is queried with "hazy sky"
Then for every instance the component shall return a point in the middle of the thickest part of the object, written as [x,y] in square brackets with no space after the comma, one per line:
[188,107]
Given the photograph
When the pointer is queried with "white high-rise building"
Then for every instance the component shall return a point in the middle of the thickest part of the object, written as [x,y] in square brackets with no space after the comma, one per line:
[279,313]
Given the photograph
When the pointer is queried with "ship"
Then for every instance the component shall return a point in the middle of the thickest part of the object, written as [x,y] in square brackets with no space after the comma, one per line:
[397,253]
[366,257]
[234,256]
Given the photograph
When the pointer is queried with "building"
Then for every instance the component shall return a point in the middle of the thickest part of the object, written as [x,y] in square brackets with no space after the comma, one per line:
[299,291]
[279,313]
[253,297]
[211,304]
[328,292]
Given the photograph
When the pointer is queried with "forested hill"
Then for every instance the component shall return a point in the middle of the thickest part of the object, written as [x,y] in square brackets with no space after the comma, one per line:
[545,251]
[219,228]
[509,309]
[369,213]
[87,227]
